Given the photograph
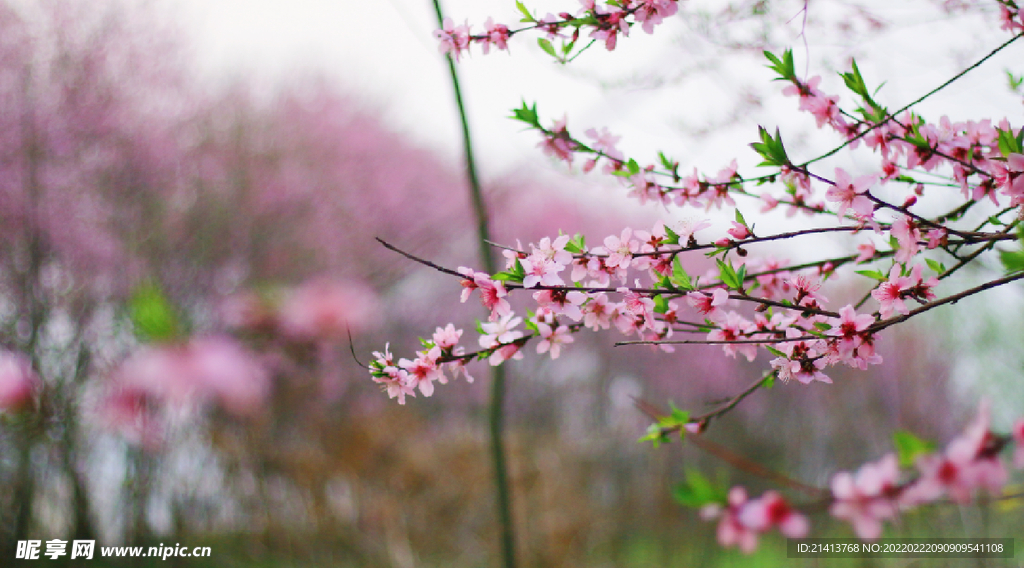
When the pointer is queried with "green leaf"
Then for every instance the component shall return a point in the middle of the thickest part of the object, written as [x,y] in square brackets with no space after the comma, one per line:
[1014,80]
[531,321]
[669,164]
[935,265]
[728,274]
[774,351]
[527,114]
[660,304]
[1013,261]
[680,279]
[152,315]
[1010,144]
[822,326]
[909,447]
[633,167]
[872,274]
[771,149]
[526,13]
[740,219]
[672,237]
[577,244]
[546,46]
[680,417]
[698,491]
[783,67]
[655,435]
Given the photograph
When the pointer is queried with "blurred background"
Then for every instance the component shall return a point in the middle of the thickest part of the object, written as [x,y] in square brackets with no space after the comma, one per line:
[189,196]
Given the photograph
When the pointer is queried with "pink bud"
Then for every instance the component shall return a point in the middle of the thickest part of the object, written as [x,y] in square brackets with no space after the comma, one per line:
[17,381]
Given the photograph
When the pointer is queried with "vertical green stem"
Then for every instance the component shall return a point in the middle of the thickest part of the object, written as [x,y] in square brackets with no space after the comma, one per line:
[496,412]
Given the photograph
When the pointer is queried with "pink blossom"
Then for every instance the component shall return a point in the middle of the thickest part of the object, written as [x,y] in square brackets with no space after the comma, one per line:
[504,353]
[653,12]
[731,530]
[452,39]
[226,372]
[733,327]
[611,21]
[865,500]
[541,270]
[619,249]
[739,231]
[553,250]
[597,312]
[604,142]
[553,339]
[848,328]
[17,381]
[447,337]
[743,520]
[424,370]
[801,360]
[1010,178]
[492,293]
[638,307]
[770,510]
[557,143]
[326,309]
[970,462]
[496,35]
[688,227]
[211,369]
[501,331]
[707,304]
[891,292]
[849,194]
[865,252]
[907,236]
[561,302]
[1018,439]
[396,382]
[936,237]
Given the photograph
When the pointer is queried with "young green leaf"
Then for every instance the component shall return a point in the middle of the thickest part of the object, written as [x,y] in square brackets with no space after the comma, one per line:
[909,447]
[783,67]
[526,114]
[698,491]
[728,274]
[547,47]
[526,13]
[872,274]
[680,279]
[660,304]
[152,315]
[1013,261]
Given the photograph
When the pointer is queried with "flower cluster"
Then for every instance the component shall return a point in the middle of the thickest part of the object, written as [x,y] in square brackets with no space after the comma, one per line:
[604,21]
[742,520]
[880,491]
[576,287]
[317,310]
[402,378]
[157,379]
